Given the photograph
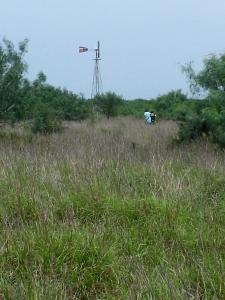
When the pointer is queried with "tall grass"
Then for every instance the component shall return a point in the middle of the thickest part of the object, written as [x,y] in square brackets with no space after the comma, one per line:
[111,210]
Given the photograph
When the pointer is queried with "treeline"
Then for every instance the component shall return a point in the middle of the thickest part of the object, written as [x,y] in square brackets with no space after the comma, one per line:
[38,102]
[44,106]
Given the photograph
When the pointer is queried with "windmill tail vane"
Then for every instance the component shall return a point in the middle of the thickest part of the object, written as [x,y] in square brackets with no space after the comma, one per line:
[83,49]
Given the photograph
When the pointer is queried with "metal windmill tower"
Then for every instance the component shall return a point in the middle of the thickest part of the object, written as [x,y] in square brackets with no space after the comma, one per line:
[97,81]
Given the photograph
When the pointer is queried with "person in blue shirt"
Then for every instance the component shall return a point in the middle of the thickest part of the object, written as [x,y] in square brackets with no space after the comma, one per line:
[147,116]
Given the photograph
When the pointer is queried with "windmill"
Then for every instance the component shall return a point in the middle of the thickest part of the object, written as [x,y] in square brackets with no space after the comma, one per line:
[97,81]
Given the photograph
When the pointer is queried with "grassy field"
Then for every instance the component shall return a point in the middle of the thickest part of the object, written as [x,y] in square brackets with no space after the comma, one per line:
[111,210]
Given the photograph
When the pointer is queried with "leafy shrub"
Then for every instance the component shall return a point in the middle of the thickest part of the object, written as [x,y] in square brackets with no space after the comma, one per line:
[216,123]
[165,105]
[108,104]
[45,119]
[192,128]
[209,120]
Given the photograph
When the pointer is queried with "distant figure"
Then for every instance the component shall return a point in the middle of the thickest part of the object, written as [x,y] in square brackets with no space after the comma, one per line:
[153,117]
[147,116]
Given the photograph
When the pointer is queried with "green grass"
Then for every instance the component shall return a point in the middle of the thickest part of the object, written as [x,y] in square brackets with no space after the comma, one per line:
[87,215]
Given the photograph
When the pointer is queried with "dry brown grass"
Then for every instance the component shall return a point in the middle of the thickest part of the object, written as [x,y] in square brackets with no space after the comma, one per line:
[87,148]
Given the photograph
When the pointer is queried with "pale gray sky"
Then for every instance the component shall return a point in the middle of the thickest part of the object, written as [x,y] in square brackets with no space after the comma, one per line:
[143,41]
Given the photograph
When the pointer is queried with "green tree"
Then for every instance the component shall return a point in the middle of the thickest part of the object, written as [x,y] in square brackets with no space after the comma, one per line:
[108,103]
[165,105]
[210,78]
[12,69]
[210,119]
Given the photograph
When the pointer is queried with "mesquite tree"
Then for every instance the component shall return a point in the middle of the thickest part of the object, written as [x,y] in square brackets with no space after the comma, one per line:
[12,69]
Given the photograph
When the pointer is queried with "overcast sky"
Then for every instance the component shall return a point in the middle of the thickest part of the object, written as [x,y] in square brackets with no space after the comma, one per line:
[143,42]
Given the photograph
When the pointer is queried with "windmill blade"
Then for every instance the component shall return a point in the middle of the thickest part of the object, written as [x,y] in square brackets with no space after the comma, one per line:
[98,49]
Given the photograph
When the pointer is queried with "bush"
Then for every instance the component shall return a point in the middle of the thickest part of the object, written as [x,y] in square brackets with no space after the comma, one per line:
[208,120]
[192,128]
[165,105]
[45,119]
[108,104]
